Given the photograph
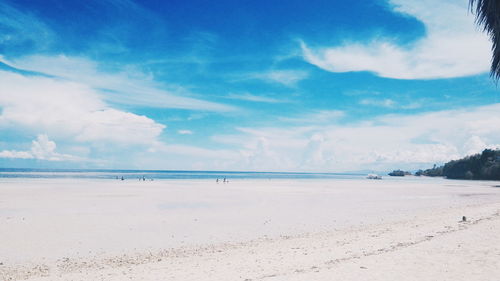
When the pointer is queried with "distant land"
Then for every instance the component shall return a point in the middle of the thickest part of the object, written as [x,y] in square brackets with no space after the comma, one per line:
[482,166]
[399,173]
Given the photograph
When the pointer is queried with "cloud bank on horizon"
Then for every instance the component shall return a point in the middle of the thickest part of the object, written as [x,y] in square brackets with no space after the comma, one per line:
[301,87]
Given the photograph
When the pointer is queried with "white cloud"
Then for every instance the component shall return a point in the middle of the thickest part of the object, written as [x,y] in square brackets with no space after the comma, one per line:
[15,154]
[254,98]
[413,105]
[378,102]
[286,77]
[474,145]
[187,157]
[383,143]
[69,110]
[318,116]
[185,132]
[390,103]
[451,47]
[130,87]
[316,154]
[42,149]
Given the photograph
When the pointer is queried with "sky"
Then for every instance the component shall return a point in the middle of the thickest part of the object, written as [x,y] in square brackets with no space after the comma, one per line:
[304,86]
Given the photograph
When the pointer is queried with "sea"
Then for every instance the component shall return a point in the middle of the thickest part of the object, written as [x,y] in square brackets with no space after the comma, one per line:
[165,174]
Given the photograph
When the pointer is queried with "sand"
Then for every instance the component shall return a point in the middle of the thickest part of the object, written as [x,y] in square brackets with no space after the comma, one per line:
[401,229]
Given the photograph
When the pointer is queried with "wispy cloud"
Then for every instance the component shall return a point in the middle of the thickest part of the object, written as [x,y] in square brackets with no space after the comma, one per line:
[452,46]
[285,77]
[185,132]
[21,29]
[125,84]
[378,102]
[316,117]
[392,104]
[254,98]
[130,87]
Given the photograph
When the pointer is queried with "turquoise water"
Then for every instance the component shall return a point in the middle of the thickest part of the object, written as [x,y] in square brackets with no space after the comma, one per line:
[160,174]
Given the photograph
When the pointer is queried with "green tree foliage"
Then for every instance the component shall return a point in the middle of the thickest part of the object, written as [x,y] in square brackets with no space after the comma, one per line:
[434,172]
[488,17]
[484,166]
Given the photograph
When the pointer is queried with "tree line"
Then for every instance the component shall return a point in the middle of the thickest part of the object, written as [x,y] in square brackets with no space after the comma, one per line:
[482,166]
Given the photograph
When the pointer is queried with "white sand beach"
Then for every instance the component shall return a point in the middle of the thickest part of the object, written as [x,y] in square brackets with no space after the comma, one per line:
[393,229]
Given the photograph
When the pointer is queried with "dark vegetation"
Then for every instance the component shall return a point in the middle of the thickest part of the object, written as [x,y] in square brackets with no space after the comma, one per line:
[484,166]
[488,17]
[433,172]
[399,173]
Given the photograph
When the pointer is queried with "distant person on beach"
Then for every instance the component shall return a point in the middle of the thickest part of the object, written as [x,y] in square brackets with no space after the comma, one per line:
[217,180]
[122,178]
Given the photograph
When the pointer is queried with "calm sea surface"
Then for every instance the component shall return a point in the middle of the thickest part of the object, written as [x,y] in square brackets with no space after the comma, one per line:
[159,174]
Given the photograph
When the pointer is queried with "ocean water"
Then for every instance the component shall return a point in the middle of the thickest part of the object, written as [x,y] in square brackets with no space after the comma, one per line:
[164,175]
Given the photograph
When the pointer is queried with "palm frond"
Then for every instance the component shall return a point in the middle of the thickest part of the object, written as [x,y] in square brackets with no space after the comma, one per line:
[488,16]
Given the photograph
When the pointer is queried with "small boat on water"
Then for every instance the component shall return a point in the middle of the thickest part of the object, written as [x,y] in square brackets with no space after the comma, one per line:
[373,177]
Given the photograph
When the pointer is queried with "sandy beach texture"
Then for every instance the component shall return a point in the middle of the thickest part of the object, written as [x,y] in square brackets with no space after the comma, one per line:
[394,229]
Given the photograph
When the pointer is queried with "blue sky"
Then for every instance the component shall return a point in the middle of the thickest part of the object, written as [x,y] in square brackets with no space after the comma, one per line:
[328,86]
